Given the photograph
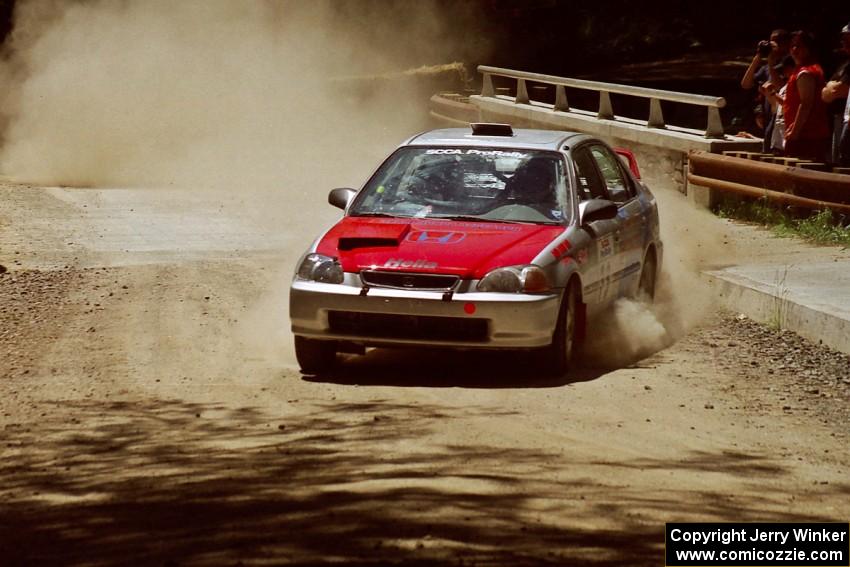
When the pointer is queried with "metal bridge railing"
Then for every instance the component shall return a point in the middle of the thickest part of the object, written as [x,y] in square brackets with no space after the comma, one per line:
[714,126]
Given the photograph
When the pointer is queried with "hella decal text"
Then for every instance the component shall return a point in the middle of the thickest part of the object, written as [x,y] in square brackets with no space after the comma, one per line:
[418,264]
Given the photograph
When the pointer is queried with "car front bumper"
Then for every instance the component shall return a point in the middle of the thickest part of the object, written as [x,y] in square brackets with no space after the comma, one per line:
[395,317]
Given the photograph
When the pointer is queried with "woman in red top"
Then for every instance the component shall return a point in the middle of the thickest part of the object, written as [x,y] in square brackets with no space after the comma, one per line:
[806,119]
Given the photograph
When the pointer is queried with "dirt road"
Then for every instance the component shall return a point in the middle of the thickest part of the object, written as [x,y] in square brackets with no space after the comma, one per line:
[151,412]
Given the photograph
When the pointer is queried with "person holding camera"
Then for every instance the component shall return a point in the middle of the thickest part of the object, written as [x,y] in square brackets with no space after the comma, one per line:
[757,74]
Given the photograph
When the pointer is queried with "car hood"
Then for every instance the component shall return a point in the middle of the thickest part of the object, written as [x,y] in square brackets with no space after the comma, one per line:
[465,248]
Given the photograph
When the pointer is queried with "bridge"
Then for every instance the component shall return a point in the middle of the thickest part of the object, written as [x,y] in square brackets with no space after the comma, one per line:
[673,152]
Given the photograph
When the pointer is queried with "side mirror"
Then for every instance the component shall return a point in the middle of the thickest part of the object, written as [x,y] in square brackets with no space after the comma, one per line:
[340,198]
[596,210]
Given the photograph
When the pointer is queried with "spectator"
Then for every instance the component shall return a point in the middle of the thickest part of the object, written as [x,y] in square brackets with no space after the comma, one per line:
[776,96]
[835,93]
[757,74]
[806,122]
[844,143]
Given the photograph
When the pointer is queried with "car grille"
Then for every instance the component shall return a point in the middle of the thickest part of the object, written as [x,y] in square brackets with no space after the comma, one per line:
[417,327]
[404,280]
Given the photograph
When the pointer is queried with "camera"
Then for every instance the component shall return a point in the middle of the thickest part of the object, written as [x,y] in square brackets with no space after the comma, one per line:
[764,48]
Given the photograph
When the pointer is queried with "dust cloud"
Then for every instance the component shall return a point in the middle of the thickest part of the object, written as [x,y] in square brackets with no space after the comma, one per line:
[261,104]
[633,330]
[200,93]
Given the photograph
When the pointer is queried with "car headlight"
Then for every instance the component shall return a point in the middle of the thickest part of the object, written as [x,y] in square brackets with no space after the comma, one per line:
[320,268]
[515,279]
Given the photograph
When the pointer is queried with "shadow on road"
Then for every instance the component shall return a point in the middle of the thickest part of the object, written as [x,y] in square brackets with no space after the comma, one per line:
[443,368]
[165,482]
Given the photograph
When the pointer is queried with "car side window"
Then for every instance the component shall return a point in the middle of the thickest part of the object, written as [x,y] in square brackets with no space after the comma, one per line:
[590,185]
[609,165]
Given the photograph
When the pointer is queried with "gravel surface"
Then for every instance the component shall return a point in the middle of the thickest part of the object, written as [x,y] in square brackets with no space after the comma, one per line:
[132,413]
[32,306]
[157,400]
[778,368]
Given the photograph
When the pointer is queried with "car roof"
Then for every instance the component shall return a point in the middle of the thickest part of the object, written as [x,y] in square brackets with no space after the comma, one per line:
[520,139]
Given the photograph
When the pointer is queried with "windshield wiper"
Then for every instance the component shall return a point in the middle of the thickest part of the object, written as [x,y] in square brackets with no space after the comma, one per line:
[485,219]
[468,218]
[376,214]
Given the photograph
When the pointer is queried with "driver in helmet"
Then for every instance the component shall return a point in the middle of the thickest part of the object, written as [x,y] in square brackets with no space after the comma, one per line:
[533,185]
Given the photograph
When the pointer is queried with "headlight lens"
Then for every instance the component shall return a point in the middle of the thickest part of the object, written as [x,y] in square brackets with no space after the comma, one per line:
[320,268]
[515,279]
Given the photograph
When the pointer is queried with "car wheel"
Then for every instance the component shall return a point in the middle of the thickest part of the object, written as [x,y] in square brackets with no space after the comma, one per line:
[646,287]
[561,352]
[315,357]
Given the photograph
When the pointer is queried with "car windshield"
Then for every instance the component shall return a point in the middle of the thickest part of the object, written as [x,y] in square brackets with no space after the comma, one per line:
[503,185]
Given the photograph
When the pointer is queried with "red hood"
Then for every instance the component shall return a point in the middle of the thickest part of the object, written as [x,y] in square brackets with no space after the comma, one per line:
[463,248]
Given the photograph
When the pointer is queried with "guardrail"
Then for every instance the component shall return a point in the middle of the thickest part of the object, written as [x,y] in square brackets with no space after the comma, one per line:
[787,185]
[714,126]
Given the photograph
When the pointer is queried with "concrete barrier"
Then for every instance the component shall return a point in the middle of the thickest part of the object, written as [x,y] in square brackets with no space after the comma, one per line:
[812,299]
[605,109]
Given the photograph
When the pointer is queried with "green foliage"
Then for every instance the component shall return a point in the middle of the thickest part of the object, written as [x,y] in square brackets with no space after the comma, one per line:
[819,227]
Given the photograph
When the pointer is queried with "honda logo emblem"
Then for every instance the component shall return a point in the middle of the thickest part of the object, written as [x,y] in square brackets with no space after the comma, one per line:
[435,237]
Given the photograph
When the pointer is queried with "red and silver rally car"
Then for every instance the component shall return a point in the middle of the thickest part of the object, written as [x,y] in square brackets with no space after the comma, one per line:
[488,238]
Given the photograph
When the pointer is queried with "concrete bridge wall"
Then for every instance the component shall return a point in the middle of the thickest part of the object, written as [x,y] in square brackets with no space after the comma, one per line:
[661,152]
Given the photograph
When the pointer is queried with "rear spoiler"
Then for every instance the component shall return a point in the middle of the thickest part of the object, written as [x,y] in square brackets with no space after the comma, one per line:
[629,159]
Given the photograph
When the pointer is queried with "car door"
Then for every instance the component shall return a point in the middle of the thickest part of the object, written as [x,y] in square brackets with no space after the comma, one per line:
[598,277]
[628,237]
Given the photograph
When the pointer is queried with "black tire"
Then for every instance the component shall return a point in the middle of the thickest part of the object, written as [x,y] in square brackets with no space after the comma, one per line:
[315,357]
[646,287]
[565,341]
